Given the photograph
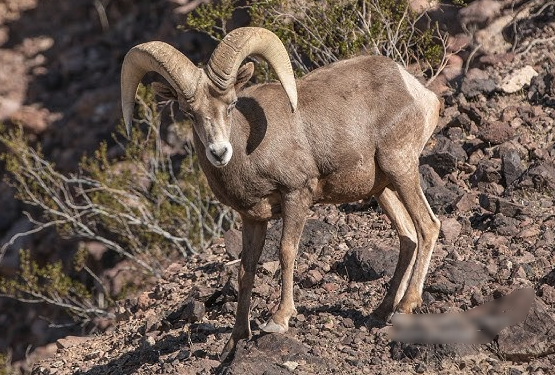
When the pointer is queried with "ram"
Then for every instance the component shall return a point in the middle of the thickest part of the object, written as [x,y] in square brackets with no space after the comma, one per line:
[355,130]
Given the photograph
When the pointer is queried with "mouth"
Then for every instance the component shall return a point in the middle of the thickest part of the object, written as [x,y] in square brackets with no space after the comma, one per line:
[219,154]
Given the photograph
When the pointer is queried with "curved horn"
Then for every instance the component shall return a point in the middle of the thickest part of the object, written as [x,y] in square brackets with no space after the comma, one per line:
[163,59]
[240,43]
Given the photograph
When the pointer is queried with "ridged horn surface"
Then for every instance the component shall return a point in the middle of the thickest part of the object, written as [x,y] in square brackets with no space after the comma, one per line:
[242,42]
[163,59]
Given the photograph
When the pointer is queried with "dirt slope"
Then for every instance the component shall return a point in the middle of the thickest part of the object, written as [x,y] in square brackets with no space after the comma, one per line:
[488,171]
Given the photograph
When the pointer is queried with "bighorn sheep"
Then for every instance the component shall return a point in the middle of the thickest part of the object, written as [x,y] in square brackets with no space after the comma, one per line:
[357,131]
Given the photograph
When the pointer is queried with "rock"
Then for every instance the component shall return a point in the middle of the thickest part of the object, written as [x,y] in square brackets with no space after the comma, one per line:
[479,13]
[290,365]
[453,276]
[511,167]
[366,264]
[486,171]
[312,278]
[450,229]
[190,312]
[444,156]
[69,341]
[267,354]
[467,202]
[542,175]
[492,39]
[542,88]
[532,338]
[441,199]
[233,243]
[500,205]
[462,121]
[496,132]
[548,294]
[517,79]
[429,178]
[193,312]
[477,81]
[316,235]
[505,226]
[454,67]
[271,267]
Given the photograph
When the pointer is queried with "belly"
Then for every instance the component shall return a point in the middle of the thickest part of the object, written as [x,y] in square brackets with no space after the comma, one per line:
[350,185]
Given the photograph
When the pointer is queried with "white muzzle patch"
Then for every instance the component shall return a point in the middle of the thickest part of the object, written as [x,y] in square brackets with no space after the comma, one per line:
[219,153]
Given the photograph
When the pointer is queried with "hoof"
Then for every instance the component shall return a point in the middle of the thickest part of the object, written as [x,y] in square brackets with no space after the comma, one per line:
[228,351]
[272,327]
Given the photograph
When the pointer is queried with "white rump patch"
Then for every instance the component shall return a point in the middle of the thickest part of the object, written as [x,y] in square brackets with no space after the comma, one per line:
[423,98]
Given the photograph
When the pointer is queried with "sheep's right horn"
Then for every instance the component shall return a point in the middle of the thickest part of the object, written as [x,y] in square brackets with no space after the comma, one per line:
[163,59]
[242,42]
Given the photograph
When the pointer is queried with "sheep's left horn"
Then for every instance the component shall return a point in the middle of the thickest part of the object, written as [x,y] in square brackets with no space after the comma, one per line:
[240,43]
[163,59]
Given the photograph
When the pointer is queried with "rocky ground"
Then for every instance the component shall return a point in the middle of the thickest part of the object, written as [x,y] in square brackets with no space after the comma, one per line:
[488,172]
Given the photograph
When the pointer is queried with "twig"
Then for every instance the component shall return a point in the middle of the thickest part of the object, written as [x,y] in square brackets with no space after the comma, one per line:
[536,42]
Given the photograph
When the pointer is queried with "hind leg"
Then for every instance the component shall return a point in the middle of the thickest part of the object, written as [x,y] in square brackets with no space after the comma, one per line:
[427,228]
[402,222]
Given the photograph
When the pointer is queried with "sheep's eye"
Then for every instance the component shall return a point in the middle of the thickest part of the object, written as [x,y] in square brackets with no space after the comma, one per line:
[230,107]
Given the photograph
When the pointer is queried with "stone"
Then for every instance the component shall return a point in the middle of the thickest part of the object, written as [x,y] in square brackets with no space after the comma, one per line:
[462,121]
[517,79]
[530,339]
[233,243]
[542,88]
[486,171]
[312,278]
[492,39]
[441,198]
[269,353]
[500,205]
[453,276]
[496,132]
[477,81]
[467,202]
[429,178]
[193,312]
[366,264]
[479,13]
[542,175]
[444,156]
[271,267]
[511,167]
[450,229]
[316,235]
[70,341]
[505,226]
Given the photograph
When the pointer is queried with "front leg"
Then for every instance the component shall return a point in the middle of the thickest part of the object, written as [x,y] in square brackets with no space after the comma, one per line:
[294,206]
[254,236]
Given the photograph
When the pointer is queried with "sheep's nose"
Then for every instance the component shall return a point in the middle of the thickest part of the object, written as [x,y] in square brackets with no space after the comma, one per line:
[219,153]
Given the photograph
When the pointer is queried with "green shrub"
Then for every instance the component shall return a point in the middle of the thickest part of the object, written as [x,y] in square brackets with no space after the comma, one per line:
[148,205]
[319,32]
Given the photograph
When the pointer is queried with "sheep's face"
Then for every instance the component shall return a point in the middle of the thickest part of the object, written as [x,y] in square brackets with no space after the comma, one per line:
[212,110]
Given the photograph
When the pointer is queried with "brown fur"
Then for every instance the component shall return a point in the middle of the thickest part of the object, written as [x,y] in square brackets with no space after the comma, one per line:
[358,131]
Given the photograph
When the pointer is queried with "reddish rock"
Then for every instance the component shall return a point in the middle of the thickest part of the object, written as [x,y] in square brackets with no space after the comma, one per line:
[69,341]
[496,132]
[450,229]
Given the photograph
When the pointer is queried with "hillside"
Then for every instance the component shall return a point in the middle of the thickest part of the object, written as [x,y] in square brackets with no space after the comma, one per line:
[488,172]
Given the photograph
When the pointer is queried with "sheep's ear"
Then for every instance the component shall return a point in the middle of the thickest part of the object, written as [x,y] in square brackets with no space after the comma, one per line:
[243,75]
[165,91]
